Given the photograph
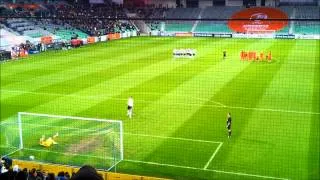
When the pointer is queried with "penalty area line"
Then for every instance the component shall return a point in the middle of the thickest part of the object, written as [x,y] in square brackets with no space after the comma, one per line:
[201,169]
[173,138]
[213,155]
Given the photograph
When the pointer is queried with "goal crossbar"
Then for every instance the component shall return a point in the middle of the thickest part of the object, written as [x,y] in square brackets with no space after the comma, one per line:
[119,128]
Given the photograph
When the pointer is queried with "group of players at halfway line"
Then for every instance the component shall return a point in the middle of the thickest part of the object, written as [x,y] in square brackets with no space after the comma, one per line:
[184,53]
[244,55]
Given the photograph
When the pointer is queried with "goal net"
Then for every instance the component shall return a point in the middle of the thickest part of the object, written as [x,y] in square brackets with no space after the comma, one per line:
[68,140]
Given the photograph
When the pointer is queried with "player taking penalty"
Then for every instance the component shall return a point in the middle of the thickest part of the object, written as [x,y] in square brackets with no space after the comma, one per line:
[130,107]
[48,142]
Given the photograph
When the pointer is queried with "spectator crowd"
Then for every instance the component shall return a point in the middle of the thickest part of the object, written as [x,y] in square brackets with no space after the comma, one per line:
[93,19]
[7,172]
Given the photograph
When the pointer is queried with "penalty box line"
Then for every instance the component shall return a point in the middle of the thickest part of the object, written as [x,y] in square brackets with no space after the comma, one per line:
[186,139]
[213,155]
[216,104]
[201,169]
[205,168]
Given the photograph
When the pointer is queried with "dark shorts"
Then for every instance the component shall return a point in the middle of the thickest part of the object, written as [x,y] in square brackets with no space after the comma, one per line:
[129,107]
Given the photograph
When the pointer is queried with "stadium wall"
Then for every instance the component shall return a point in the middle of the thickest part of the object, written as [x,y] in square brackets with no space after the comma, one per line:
[206,3]
[234,3]
[163,3]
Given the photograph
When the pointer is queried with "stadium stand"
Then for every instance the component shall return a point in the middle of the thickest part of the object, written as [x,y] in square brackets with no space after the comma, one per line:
[9,39]
[77,20]
[94,20]
[216,13]
[181,13]
[307,27]
[150,13]
[289,10]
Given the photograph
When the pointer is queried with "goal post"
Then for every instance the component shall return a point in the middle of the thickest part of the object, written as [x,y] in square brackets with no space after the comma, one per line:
[9,136]
[68,140]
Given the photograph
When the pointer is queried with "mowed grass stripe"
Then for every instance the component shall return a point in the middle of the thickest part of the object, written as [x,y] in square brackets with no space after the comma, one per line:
[152,90]
[173,79]
[314,135]
[80,96]
[170,118]
[124,78]
[66,84]
[292,88]
[24,100]
[191,127]
[165,65]
[249,124]
[154,125]
[57,59]
[50,60]
[196,90]
[86,64]
[299,97]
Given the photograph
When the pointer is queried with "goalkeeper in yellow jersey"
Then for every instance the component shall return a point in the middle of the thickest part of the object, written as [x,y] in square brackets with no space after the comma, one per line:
[48,142]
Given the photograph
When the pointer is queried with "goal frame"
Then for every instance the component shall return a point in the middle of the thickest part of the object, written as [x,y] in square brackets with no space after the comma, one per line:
[19,121]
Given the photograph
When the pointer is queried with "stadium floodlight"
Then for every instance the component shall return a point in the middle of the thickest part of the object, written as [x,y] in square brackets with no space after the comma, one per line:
[68,140]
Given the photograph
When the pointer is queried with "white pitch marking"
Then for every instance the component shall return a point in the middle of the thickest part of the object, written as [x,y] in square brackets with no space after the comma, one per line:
[170,165]
[213,155]
[43,125]
[201,169]
[303,63]
[273,110]
[180,95]
[161,164]
[219,105]
[134,134]
[175,138]
[73,154]
[68,117]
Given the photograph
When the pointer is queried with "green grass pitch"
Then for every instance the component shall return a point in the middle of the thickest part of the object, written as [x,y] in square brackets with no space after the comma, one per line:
[179,125]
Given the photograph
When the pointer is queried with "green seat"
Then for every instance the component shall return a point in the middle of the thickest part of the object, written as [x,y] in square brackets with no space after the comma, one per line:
[179,27]
[212,27]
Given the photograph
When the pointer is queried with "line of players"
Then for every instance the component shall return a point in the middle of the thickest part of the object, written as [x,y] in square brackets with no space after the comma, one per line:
[182,53]
[255,56]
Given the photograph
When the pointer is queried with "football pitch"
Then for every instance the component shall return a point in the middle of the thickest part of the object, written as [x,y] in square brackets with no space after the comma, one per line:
[178,129]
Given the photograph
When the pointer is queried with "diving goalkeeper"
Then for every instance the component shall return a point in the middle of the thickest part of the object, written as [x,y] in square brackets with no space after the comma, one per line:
[48,142]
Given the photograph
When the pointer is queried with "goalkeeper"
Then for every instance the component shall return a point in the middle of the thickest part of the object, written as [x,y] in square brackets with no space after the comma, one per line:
[48,142]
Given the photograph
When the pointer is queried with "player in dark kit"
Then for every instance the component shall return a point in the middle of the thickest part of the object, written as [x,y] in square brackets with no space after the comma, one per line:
[224,54]
[229,124]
